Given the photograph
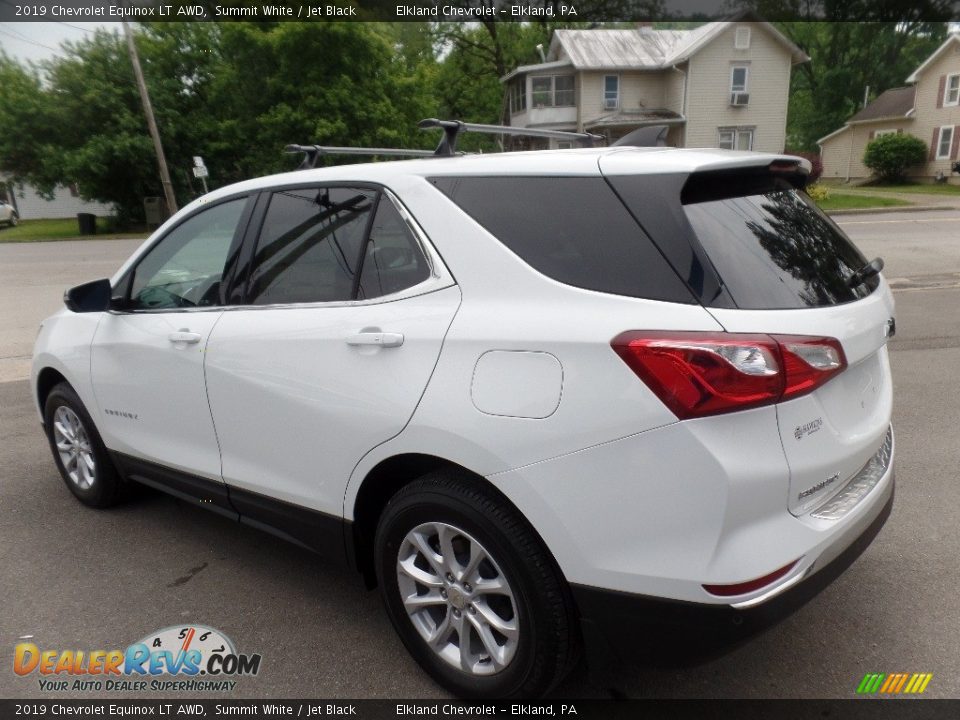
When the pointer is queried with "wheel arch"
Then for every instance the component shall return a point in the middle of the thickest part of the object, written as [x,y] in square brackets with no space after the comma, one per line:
[47,379]
[383,481]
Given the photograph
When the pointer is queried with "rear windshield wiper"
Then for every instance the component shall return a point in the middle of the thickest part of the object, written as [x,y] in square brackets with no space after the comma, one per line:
[865,273]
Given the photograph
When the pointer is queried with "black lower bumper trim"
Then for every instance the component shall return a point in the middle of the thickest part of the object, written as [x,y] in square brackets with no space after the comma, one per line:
[622,628]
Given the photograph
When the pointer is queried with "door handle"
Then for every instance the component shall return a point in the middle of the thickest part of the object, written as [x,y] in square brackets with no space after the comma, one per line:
[382,339]
[184,336]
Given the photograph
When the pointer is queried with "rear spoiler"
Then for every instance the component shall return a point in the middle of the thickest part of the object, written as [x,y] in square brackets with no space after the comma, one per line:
[707,185]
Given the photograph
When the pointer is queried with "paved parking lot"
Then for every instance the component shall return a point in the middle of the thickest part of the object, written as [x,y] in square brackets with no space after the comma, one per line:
[78,578]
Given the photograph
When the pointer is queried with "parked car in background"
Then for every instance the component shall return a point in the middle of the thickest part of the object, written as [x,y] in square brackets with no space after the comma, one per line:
[8,215]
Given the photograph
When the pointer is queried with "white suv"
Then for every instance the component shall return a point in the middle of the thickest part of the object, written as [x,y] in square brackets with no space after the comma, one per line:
[526,394]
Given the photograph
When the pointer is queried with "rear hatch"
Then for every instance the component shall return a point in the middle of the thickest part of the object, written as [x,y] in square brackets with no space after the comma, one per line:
[763,258]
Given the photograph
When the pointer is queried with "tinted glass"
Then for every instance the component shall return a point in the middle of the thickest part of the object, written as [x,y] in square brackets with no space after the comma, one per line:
[392,259]
[574,230]
[776,250]
[309,246]
[185,268]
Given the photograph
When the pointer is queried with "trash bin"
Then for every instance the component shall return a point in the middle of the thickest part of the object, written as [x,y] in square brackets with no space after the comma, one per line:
[87,223]
[155,210]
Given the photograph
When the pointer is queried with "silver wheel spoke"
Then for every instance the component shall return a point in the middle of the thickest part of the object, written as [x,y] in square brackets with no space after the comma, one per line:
[477,556]
[415,602]
[64,430]
[449,558]
[421,576]
[492,586]
[507,628]
[419,540]
[489,643]
[463,639]
[443,632]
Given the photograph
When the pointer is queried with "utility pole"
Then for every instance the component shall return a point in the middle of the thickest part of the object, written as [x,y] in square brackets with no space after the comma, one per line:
[151,121]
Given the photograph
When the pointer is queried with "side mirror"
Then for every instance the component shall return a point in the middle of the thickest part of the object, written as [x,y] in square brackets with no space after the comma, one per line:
[89,297]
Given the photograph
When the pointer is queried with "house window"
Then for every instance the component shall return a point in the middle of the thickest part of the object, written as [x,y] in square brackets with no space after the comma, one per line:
[735,138]
[518,96]
[553,91]
[738,79]
[563,90]
[952,95]
[742,39]
[611,92]
[879,133]
[943,144]
[564,145]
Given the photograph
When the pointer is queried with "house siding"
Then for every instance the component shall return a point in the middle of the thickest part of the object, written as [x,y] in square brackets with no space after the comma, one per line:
[638,91]
[928,117]
[842,155]
[708,92]
[31,206]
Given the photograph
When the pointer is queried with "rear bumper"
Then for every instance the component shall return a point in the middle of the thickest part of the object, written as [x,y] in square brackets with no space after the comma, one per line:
[622,627]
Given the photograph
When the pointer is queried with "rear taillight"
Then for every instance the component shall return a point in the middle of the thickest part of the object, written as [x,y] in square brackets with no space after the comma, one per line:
[708,373]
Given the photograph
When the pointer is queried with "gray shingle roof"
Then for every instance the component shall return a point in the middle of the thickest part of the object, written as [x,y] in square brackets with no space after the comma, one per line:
[634,48]
[896,102]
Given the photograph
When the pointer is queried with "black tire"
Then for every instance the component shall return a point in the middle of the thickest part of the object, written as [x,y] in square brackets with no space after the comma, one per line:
[548,635]
[107,487]
[13,220]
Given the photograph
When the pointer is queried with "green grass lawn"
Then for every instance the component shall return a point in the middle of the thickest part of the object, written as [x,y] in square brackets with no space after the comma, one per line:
[839,201]
[915,188]
[58,229]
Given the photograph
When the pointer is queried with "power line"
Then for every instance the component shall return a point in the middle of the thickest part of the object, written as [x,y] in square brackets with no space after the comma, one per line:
[56,51]
[77,27]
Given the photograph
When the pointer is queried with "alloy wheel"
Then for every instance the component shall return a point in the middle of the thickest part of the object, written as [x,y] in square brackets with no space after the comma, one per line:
[74,448]
[458,599]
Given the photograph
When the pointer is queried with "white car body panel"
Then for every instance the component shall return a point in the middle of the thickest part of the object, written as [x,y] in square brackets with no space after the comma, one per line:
[151,392]
[295,406]
[833,431]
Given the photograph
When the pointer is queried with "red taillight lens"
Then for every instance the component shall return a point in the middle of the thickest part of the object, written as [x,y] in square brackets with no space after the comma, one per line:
[751,585]
[704,373]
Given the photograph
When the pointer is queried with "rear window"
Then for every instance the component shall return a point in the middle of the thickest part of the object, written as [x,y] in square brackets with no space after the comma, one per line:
[772,247]
[572,229]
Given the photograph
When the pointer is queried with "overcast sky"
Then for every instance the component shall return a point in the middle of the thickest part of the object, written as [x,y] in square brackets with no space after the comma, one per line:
[40,41]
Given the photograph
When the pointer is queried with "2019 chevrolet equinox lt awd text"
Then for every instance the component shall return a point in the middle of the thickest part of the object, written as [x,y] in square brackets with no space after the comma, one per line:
[512,390]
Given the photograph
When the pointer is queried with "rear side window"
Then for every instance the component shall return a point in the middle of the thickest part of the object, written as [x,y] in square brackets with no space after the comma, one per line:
[309,247]
[772,247]
[572,229]
[333,244]
[392,260]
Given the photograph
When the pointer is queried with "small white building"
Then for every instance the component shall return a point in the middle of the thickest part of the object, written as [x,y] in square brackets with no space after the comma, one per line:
[66,202]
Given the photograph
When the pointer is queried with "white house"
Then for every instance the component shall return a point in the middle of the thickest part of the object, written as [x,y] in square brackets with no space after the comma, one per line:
[722,84]
[66,202]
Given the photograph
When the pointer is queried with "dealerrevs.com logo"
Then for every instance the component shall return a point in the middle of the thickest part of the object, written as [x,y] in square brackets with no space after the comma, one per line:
[191,658]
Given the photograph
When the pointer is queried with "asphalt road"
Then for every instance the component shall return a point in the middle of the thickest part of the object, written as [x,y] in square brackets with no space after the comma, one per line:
[78,578]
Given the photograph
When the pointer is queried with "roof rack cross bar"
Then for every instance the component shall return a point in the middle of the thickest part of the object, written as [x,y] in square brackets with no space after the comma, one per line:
[312,153]
[453,128]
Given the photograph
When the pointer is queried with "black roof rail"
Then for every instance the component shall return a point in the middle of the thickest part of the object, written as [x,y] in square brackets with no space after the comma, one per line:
[312,153]
[453,128]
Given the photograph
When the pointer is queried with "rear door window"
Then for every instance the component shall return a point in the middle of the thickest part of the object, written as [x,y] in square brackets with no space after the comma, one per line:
[309,246]
[772,246]
[572,229]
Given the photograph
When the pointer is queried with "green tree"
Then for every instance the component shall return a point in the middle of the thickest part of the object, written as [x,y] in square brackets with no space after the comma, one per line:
[234,93]
[890,156]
